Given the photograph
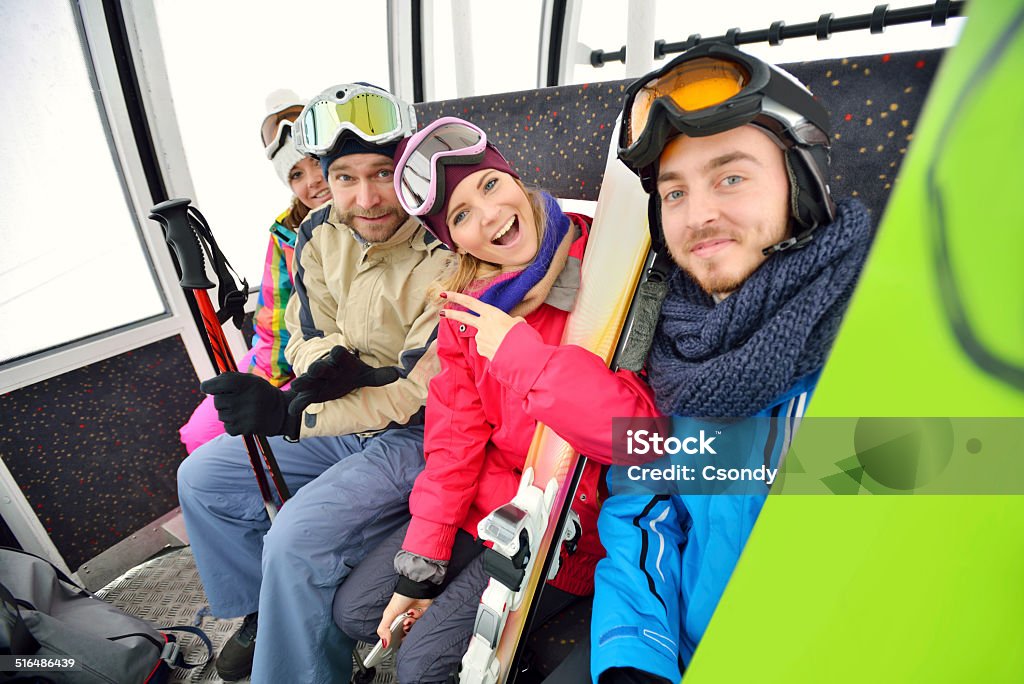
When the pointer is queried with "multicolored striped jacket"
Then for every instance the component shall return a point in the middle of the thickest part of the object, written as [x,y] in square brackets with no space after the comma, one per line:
[270,333]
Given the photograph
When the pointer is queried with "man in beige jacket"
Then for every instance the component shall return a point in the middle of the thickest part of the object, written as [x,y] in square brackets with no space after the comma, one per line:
[351,445]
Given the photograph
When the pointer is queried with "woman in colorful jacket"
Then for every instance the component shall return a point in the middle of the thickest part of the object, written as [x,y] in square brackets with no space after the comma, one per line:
[270,336]
[516,265]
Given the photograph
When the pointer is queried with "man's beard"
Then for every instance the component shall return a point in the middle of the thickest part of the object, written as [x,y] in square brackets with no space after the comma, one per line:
[715,284]
[719,281]
[718,287]
[376,233]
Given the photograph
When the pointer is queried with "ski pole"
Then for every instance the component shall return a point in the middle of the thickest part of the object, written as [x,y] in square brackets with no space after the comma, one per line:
[181,236]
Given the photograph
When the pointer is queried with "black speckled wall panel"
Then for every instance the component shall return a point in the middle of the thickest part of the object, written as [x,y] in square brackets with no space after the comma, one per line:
[557,138]
[874,103]
[95,450]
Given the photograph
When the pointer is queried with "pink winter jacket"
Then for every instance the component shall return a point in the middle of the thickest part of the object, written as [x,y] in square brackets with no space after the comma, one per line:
[480,421]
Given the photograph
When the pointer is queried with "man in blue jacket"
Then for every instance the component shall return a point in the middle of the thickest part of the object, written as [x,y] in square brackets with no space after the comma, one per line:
[735,154]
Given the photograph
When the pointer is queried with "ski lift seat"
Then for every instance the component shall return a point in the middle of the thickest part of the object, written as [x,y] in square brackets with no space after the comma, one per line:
[558,138]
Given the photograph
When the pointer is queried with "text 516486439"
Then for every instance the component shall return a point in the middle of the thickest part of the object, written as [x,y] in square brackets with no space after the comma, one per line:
[15,663]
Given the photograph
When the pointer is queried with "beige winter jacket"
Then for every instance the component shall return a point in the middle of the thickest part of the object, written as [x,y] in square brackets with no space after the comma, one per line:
[371,298]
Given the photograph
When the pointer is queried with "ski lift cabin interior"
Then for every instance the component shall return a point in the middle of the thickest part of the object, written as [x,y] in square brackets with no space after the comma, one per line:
[102,355]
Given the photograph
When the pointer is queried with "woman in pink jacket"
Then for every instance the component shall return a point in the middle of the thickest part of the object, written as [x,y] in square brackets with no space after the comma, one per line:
[270,336]
[514,278]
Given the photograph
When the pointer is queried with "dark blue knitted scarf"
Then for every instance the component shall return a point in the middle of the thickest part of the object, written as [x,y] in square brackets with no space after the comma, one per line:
[737,357]
[507,291]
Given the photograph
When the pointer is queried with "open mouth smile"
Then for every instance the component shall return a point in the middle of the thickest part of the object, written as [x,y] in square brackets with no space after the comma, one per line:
[508,234]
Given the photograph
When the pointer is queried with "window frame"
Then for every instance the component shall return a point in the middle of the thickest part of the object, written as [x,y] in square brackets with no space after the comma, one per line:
[92,28]
[177,318]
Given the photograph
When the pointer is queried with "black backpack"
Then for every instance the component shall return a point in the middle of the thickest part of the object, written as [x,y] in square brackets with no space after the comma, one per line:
[52,630]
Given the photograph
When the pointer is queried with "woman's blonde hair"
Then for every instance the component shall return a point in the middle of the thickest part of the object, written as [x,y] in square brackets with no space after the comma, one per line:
[464,268]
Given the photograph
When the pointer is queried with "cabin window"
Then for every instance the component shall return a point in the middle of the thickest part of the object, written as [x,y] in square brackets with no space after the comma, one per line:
[222,60]
[501,52]
[603,26]
[70,237]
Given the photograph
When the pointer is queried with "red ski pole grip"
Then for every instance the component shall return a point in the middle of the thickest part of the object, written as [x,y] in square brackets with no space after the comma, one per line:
[172,215]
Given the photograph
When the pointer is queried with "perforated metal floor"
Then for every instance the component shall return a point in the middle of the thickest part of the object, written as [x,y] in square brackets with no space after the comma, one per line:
[166,591]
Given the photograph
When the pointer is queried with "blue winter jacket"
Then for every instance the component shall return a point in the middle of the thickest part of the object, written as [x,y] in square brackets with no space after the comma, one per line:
[670,555]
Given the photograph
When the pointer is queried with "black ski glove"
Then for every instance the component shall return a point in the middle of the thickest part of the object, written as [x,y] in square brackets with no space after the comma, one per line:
[249,405]
[334,376]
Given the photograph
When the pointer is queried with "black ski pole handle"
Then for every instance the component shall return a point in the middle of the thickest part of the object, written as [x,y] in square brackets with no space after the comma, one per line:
[172,215]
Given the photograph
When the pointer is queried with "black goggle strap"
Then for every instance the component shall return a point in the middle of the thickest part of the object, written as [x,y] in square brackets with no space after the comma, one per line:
[812,202]
[795,242]
[789,94]
[650,294]
[229,296]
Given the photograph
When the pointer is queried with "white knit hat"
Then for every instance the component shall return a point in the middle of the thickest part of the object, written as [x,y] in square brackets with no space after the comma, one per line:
[286,156]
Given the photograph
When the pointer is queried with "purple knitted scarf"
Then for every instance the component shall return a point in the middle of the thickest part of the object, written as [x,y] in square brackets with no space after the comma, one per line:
[508,290]
[736,357]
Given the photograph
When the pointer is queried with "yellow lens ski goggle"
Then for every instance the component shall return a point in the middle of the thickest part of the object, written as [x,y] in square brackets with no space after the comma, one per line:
[374,115]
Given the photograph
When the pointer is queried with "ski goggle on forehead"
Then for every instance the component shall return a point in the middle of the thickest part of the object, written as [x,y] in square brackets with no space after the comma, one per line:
[277,127]
[374,115]
[708,89]
[419,178]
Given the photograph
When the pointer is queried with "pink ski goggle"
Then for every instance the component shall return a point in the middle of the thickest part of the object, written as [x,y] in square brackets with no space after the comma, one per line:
[419,180]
